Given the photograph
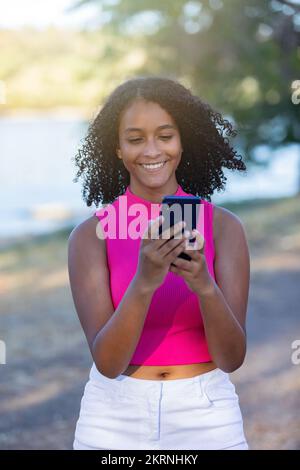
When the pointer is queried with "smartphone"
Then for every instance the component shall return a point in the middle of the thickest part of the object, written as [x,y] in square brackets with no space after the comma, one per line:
[180,208]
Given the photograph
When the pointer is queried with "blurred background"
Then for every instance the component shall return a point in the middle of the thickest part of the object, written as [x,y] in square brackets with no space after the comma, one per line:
[58,61]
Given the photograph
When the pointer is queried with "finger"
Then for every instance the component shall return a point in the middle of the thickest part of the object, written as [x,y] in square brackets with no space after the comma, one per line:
[195,255]
[167,248]
[199,242]
[174,269]
[183,264]
[169,254]
[153,230]
[191,250]
[153,226]
[175,231]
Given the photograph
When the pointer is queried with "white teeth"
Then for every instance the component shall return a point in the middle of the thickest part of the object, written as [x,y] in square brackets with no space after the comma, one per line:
[151,166]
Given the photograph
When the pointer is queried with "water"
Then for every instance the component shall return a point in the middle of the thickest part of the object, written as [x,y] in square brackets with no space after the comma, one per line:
[38,194]
[279,179]
[37,191]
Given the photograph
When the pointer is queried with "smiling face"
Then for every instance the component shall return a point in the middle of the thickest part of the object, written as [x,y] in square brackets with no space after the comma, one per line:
[149,135]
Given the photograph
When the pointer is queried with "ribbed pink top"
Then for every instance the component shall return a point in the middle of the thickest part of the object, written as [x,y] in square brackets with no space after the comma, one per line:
[173,331]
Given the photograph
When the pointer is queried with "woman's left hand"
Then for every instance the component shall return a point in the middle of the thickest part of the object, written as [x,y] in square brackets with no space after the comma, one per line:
[194,272]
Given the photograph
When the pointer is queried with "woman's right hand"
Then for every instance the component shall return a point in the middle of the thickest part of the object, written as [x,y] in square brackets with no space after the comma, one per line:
[156,254]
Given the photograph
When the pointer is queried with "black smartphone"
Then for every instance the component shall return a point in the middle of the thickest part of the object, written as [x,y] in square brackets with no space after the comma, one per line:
[180,208]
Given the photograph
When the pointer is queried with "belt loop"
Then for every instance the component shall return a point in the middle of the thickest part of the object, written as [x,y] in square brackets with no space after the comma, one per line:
[204,379]
[120,388]
[200,385]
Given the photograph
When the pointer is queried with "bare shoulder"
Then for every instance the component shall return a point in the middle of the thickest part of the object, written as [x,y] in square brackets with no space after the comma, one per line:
[226,223]
[232,261]
[89,277]
[89,231]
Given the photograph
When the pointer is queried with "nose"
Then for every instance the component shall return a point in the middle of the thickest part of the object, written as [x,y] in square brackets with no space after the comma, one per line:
[151,149]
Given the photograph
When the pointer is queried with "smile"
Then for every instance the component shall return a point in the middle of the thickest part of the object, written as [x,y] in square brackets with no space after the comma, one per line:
[152,167]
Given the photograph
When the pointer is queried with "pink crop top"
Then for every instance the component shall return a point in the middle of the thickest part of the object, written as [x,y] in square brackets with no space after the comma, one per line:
[173,331]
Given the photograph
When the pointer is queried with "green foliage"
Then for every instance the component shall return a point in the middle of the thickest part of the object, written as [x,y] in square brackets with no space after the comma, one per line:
[56,68]
[241,56]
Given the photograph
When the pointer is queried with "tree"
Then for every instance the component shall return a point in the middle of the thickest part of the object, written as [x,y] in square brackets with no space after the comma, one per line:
[241,56]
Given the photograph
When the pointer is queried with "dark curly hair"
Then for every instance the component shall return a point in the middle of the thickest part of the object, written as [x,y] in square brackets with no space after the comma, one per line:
[205,149]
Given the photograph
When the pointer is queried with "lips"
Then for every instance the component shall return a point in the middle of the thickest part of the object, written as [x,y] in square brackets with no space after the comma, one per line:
[154,163]
[154,170]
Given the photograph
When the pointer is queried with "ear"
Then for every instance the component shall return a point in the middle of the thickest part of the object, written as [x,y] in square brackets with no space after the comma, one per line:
[118,152]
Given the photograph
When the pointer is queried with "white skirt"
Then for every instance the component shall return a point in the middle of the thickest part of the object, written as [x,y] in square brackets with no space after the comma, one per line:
[195,413]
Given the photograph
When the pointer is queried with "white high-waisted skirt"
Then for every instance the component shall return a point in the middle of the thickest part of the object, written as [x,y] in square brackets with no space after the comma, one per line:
[200,412]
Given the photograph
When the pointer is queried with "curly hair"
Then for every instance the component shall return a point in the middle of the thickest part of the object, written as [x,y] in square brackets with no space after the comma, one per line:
[205,149]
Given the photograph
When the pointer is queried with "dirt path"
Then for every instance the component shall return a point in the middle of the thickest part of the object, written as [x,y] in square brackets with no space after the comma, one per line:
[48,359]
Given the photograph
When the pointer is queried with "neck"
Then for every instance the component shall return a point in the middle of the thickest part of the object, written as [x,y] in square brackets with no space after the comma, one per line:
[154,195]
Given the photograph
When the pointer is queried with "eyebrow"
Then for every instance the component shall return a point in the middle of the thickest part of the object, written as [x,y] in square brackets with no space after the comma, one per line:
[164,126]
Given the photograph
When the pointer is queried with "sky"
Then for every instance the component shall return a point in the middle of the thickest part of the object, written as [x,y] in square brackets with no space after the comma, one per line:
[42,13]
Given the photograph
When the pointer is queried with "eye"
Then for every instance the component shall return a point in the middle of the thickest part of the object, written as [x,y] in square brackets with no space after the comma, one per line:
[166,136]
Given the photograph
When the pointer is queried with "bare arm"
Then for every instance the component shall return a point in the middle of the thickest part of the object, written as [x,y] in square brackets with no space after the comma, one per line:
[224,304]
[115,343]
[112,335]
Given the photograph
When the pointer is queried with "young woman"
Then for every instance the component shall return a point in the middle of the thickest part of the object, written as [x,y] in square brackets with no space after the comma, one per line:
[164,333]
